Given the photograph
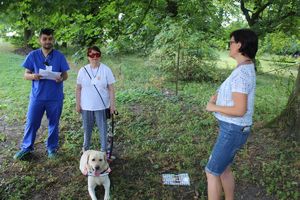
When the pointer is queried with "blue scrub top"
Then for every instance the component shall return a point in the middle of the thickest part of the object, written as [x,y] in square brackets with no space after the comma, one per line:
[46,89]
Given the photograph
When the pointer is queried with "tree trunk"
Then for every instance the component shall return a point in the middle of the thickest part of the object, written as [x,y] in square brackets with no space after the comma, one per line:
[64,44]
[289,120]
[177,68]
[28,33]
[172,8]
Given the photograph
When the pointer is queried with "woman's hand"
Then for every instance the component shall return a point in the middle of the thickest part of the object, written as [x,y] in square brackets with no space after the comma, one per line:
[78,97]
[78,108]
[210,107]
[238,109]
[112,109]
[213,98]
[112,98]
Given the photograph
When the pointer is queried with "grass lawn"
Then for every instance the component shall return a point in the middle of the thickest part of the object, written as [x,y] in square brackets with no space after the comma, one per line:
[156,132]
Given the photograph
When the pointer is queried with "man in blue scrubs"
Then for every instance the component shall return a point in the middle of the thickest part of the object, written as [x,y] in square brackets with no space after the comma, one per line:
[47,69]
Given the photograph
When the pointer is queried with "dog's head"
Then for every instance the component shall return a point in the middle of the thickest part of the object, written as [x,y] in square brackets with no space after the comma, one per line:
[94,162]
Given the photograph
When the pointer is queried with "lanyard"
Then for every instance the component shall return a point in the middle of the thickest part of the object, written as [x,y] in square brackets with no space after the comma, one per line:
[96,71]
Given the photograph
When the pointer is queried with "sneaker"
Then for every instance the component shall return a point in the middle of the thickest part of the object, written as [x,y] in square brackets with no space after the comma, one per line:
[52,154]
[21,154]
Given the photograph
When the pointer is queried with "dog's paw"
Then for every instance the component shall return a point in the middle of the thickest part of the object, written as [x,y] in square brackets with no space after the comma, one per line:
[106,197]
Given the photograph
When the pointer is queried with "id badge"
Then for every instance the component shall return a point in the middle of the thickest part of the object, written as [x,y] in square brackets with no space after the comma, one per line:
[93,81]
[49,68]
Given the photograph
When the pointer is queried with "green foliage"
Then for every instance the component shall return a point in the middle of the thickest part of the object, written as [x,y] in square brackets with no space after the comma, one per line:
[276,173]
[124,45]
[81,23]
[194,51]
[22,186]
[270,16]
[12,99]
[136,95]
[2,137]
[280,43]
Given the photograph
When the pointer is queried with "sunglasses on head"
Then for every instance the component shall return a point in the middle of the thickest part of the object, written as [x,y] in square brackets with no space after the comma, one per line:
[94,55]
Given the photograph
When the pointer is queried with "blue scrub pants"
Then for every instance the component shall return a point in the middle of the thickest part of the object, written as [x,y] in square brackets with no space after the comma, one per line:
[35,114]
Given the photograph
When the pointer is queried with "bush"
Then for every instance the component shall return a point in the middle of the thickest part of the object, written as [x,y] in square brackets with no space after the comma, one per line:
[194,65]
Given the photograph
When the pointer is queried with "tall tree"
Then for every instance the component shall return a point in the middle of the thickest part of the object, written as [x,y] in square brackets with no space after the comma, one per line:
[20,22]
[269,16]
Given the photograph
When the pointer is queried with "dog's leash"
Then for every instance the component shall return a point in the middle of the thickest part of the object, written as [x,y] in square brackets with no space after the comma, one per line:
[110,139]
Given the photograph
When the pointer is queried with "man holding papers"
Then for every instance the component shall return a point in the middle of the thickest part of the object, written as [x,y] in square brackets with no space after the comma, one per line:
[47,69]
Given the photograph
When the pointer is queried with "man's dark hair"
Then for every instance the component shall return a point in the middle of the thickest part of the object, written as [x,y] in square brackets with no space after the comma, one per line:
[248,40]
[46,31]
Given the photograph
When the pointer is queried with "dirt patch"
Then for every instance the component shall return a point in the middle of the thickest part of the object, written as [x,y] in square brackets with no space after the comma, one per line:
[8,147]
[13,135]
[246,191]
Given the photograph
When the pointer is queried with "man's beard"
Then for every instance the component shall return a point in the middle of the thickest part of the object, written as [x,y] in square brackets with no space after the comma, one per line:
[48,46]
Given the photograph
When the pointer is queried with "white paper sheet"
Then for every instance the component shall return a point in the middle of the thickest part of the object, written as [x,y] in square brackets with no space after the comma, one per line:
[49,74]
[176,179]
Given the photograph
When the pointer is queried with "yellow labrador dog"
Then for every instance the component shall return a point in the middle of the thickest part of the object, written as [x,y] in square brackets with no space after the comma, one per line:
[94,165]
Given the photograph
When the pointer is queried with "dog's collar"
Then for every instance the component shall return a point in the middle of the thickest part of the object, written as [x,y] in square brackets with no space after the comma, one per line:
[103,173]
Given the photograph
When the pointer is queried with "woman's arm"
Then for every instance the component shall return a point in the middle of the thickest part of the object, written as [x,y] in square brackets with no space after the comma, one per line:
[111,91]
[238,109]
[78,98]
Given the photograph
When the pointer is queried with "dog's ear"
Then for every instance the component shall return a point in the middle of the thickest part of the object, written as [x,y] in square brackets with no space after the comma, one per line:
[87,160]
[84,161]
[86,156]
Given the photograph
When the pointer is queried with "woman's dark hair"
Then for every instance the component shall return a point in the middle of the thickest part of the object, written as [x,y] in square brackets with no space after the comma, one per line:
[95,48]
[248,40]
[46,31]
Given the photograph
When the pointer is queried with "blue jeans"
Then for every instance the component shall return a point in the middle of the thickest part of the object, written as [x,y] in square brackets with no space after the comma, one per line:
[35,114]
[231,138]
[89,118]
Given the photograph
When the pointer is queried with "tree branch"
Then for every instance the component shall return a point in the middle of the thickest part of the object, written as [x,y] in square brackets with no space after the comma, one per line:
[255,15]
[272,24]
[254,18]
[246,12]
[141,21]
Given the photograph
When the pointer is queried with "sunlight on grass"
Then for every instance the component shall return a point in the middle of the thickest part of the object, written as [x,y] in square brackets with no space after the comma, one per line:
[267,64]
